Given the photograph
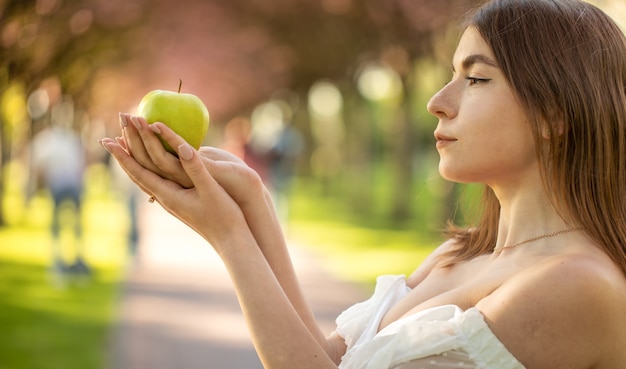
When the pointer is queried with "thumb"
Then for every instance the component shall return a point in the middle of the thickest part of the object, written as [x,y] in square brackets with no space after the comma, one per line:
[193,166]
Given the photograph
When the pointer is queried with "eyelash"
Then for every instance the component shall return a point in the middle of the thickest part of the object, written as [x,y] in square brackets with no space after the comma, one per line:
[474,81]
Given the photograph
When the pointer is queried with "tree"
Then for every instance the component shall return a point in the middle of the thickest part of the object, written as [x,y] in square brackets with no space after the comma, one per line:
[62,40]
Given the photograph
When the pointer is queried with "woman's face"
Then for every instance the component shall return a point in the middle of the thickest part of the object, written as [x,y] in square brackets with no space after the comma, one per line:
[483,134]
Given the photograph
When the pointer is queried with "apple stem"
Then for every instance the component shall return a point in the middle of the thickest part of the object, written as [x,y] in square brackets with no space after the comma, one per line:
[180,84]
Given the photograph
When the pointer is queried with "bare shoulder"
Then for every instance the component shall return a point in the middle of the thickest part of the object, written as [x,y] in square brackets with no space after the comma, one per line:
[564,312]
[429,263]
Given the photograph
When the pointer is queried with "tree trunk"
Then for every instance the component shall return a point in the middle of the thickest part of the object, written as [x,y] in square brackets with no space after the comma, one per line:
[403,164]
[4,159]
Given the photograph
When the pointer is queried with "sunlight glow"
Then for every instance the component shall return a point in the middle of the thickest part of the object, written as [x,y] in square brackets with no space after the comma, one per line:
[378,82]
[325,99]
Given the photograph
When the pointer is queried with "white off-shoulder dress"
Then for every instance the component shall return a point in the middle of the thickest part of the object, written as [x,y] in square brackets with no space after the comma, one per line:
[436,338]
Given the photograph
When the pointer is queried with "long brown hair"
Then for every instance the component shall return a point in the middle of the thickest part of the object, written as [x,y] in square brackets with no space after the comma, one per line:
[566,62]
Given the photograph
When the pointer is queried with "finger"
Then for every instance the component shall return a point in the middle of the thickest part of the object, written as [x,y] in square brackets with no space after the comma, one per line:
[134,142]
[175,140]
[168,164]
[164,162]
[195,169]
[160,157]
[119,153]
[148,181]
[168,135]
[214,153]
[147,149]
[122,142]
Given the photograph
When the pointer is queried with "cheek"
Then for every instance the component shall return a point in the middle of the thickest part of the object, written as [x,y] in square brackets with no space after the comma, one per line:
[486,157]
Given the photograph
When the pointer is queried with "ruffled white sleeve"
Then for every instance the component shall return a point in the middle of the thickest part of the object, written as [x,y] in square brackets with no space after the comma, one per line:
[359,320]
[440,337]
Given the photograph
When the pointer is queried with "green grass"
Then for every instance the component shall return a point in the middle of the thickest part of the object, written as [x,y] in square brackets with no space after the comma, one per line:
[47,327]
[352,248]
[46,324]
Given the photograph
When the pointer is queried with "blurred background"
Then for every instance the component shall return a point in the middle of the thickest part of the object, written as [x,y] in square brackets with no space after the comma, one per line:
[324,98]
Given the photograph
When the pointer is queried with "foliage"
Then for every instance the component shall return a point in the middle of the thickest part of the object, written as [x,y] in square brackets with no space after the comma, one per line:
[68,40]
[354,245]
[57,46]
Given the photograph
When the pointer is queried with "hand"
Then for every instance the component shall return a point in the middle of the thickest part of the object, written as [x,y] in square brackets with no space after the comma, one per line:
[140,141]
[219,181]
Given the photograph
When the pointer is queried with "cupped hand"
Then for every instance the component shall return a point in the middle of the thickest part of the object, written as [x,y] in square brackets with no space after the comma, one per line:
[141,142]
[175,182]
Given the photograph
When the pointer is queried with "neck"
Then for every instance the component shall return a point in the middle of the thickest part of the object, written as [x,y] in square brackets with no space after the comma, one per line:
[526,215]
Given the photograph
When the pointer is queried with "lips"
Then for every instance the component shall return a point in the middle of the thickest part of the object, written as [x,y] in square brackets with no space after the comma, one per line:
[443,140]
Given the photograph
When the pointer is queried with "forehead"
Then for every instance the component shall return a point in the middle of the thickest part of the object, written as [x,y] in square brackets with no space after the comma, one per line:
[471,45]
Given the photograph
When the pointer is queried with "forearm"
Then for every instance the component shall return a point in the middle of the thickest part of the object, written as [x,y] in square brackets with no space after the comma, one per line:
[228,205]
[266,229]
[279,333]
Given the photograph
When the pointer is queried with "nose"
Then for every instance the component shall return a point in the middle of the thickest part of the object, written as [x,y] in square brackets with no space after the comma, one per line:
[441,104]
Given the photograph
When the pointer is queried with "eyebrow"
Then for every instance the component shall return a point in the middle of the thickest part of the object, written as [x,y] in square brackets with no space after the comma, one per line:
[470,60]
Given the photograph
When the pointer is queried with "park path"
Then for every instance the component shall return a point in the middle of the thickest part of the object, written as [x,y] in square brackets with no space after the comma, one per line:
[178,311]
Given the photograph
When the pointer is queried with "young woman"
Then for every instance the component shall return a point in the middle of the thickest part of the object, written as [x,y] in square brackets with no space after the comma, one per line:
[536,111]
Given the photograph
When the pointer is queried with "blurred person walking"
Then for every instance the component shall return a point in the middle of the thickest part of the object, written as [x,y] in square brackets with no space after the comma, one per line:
[58,162]
[282,166]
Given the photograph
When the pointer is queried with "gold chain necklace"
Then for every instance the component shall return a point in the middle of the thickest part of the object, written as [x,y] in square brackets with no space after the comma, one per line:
[546,235]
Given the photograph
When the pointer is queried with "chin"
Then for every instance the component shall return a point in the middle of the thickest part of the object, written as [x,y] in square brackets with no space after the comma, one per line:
[447,173]
[452,175]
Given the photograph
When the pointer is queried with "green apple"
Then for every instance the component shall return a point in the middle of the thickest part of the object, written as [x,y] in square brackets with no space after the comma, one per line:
[184,113]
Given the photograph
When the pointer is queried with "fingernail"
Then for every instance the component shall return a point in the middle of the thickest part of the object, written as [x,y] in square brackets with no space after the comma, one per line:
[185,151]
[155,129]
[123,121]
[135,121]
[105,145]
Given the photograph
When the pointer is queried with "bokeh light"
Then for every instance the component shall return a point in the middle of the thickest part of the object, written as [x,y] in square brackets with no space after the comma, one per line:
[378,82]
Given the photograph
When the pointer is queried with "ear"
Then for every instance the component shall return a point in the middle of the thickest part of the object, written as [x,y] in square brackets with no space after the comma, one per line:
[548,129]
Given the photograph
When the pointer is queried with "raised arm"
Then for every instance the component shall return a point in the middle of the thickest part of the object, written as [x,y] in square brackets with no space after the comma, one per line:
[226,203]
